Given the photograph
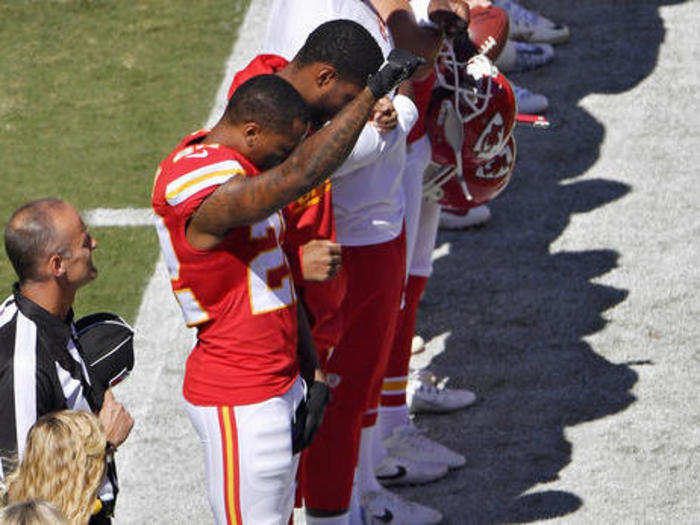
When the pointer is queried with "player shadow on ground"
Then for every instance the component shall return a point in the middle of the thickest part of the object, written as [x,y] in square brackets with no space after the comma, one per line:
[518,314]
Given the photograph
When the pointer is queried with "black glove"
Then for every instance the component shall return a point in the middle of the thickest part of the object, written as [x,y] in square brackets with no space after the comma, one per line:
[309,416]
[399,65]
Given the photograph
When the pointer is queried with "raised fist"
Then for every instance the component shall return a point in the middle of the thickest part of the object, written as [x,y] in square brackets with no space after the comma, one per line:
[451,16]
[385,117]
[320,260]
[399,66]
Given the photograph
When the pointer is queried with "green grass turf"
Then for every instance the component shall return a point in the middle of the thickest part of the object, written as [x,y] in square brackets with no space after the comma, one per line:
[121,278]
[93,94]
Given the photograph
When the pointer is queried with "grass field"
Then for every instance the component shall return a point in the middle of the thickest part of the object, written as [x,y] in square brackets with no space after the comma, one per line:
[94,94]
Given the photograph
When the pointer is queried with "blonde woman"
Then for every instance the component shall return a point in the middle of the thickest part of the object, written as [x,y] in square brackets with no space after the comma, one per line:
[64,463]
[33,512]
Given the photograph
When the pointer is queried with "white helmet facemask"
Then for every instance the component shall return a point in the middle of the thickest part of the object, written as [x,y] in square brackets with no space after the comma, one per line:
[455,75]
[436,175]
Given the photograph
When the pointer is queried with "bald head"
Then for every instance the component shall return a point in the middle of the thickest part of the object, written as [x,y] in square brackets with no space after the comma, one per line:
[35,232]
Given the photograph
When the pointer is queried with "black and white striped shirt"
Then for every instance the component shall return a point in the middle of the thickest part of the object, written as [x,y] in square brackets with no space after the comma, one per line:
[41,371]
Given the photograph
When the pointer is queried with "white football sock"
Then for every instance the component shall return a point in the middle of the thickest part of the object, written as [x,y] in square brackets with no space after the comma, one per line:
[391,417]
[379,451]
[364,473]
[355,509]
[342,519]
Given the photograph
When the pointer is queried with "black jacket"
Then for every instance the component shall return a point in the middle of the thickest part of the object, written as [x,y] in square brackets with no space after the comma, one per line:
[41,371]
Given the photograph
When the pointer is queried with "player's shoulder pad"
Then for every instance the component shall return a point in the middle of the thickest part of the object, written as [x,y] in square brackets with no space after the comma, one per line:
[196,168]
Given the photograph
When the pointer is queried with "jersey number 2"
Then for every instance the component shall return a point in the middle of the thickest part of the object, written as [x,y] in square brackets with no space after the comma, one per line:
[264,297]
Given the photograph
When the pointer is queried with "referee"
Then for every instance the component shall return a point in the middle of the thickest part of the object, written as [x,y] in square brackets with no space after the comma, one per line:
[41,364]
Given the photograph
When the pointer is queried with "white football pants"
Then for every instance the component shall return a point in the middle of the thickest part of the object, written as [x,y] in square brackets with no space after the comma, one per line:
[422,216]
[250,469]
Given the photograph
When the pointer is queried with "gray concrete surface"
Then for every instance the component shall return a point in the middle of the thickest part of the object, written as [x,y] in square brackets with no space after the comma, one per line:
[574,314]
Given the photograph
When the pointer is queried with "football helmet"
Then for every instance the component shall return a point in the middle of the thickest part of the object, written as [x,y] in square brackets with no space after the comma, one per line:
[483,182]
[478,183]
[482,101]
[469,123]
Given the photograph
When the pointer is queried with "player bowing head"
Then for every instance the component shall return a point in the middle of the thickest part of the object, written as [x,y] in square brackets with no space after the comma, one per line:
[265,120]
[334,65]
[329,70]
[330,65]
[217,197]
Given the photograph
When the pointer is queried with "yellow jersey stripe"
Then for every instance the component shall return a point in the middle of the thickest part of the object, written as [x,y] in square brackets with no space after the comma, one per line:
[177,185]
[188,184]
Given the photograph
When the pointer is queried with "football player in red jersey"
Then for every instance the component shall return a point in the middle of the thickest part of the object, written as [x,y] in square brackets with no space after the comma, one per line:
[331,67]
[218,196]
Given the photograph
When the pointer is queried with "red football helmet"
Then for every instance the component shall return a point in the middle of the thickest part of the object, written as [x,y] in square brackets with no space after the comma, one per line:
[481,100]
[484,182]
[470,124]
[478,184]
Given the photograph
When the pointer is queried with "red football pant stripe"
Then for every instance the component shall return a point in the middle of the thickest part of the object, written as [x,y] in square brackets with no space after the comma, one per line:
[400,355]
[229,448]
[375,281]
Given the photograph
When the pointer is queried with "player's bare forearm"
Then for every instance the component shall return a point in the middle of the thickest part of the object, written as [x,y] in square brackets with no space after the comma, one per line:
[385,8]
[308,360]
[421,41]
[452,16]
[247,200]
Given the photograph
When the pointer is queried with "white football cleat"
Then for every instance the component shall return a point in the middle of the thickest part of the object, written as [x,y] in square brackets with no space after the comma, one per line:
[530,26]
[405,471]
[428,394]
[410,442]
[386,507]
[529,102]
[522,56]
[417,345]
[474,217]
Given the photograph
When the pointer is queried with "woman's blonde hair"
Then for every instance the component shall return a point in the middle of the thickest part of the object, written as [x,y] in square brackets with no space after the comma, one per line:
[63,463]
[33,512]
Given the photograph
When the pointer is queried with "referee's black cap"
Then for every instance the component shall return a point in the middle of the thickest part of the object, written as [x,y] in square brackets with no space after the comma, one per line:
[107,342]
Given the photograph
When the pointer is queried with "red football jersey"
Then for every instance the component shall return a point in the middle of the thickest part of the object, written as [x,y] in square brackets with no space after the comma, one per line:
[239,294]
[311,217]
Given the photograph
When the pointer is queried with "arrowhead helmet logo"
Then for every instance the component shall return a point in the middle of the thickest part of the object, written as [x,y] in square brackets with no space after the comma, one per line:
[497,167]
[491,140]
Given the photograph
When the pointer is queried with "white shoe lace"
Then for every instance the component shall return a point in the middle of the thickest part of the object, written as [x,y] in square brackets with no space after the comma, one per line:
[429,382]
[433,390]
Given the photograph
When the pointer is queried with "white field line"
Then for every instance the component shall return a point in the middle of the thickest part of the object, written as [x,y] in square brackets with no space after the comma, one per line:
[100,217]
